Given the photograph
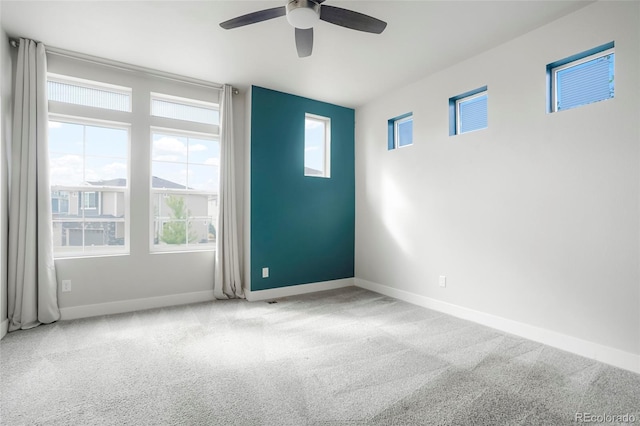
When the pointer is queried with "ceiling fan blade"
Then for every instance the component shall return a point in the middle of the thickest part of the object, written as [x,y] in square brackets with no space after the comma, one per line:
[304,42]
[255,17]
[350,19]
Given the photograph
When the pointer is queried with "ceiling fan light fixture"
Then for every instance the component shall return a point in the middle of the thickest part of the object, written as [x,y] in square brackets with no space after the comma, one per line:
[303,14]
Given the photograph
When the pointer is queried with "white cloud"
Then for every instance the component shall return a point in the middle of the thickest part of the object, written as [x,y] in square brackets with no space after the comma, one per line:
[66,170]
[168,144]
[54,125]
[198,147]
[166,158]
[114,170]
[312,124]
[212,161]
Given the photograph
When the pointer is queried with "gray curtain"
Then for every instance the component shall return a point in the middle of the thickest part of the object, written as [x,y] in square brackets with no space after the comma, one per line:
[32,287]
[228,283]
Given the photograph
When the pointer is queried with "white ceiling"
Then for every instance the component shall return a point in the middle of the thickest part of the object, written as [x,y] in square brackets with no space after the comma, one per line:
[347,67]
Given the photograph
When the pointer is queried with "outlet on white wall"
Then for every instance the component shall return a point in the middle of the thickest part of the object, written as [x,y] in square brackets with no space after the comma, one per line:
[66,286]
[442,281]
[265,272]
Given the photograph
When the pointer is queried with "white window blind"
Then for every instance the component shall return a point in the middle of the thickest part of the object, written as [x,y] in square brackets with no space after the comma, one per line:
[472,113]
[184,109]
[88,93]
[584,83]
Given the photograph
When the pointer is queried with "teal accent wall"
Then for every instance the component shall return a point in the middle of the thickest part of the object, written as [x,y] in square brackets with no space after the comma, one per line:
[302,228]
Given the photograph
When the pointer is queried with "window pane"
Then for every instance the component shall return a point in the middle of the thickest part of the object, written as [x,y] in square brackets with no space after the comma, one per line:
[405,132]
[79,94]
[87,220]
[203,178]
[316,146]
[185,111]
[105,171]
[66,138]
[170,219]
[473,114]
[184,220]
[106,142]
[203,151]
[169,148]
[582,84]
[169,175]
[66,169]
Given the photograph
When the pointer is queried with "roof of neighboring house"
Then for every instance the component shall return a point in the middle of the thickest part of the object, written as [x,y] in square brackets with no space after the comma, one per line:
[156,183]
[308,171]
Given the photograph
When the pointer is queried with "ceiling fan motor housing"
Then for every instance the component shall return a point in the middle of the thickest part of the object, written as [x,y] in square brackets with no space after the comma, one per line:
[303,14]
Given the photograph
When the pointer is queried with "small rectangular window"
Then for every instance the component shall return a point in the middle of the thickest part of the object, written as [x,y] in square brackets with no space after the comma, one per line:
[89,93]
[184,109]
[400,131]
[468,112]
[582,79]
[317,146]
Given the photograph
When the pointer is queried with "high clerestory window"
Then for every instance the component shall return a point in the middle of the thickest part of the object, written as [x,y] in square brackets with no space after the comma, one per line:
[582,79]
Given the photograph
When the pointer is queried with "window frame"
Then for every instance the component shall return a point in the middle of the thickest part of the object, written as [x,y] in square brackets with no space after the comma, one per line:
[454,109]
[574,61]
[153,192]
[393,128]
[326,123]
[459,118]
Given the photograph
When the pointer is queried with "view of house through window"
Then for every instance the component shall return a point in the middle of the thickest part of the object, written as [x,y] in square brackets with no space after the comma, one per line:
[88,173]
[184,189]
[94,136]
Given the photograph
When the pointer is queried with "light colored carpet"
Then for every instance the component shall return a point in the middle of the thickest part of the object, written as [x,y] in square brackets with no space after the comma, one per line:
[343,357]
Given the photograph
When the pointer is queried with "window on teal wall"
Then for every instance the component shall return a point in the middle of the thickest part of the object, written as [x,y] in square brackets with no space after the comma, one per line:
[582,79]
[317,146]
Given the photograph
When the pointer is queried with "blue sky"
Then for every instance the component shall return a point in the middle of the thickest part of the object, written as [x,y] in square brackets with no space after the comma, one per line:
[314,144]
[105,152]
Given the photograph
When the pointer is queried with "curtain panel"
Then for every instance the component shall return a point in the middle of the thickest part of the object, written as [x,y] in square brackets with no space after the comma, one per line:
[228,283]
[32,285]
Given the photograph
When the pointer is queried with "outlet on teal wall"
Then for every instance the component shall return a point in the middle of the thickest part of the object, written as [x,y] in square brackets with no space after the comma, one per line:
[302,228]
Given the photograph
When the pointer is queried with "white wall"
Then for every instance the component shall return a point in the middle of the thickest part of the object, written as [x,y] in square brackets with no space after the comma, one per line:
[535,219]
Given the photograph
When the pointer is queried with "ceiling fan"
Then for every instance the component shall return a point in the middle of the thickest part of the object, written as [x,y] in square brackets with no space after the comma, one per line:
[303,14]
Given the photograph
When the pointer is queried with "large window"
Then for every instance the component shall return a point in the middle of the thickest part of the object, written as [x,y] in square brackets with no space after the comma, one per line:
[582,79]
[134,159]
[317,146]
[184,187]
[88,173]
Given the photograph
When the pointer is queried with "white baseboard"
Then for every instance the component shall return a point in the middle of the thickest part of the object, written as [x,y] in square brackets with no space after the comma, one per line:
[4,327]
[293,290]
[606,354]
[121,306]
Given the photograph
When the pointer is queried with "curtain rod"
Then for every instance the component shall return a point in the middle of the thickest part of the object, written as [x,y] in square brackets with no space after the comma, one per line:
[14,42]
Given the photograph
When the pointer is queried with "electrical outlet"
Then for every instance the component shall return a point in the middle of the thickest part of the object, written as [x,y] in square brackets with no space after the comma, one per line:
[442,281]
[66,286]
[265,272]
